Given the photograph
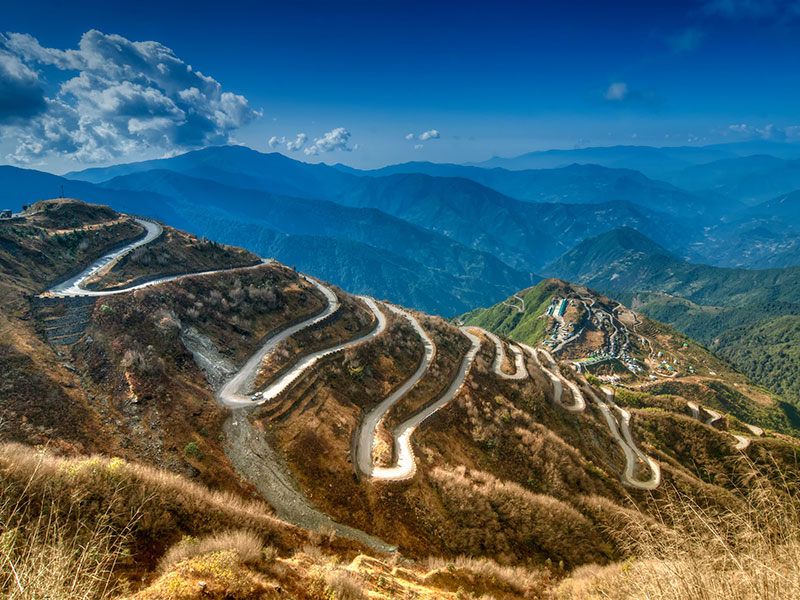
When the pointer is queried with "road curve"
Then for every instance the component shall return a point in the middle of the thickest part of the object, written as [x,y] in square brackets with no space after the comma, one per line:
[72,286]
[552,371]
[235,392]
[628,447]
[500,357]
[369,426]
[405,466]
[742,442]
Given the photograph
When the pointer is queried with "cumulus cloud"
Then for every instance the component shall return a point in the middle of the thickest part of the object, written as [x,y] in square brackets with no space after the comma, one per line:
[21,94]
[276,141]
[431,134]
[418,146]
[118,96]
[298,143]
[335,139]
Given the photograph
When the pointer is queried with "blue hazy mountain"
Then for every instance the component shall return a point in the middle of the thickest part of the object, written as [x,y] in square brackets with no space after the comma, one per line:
[749,179]
[574,184]
[657,162]
[383,256]
[524,235]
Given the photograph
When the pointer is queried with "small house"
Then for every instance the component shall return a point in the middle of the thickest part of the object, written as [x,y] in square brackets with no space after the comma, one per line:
[5,213]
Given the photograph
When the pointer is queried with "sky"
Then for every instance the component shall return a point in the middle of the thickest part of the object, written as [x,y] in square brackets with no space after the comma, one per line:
[379,82]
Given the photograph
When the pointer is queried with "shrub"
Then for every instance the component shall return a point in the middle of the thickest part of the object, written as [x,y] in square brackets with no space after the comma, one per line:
[191,449]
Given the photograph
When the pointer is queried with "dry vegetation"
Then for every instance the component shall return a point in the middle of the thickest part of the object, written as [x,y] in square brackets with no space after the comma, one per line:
[174,252]
[751,552]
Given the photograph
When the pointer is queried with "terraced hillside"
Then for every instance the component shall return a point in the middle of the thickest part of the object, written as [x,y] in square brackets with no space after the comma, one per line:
[363,428]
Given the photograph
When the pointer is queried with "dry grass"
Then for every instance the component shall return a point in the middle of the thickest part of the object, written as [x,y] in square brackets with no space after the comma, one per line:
[246,545]
[749,553]
[343,585]
[484,575]
[50,549]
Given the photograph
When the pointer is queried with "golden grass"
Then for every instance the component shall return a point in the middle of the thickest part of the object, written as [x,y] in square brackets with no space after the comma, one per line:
[246,545]
[750,553]
[50,548]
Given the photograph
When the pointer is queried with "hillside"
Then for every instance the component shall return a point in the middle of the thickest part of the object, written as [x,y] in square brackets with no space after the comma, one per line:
[601,336]
[747,179]
[257,381]
[713,305]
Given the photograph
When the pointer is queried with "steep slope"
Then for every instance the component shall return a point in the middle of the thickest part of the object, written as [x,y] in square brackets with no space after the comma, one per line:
[601,336]
[702,301]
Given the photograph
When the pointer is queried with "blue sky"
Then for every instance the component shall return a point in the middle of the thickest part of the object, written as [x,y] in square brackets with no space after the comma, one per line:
[497,78]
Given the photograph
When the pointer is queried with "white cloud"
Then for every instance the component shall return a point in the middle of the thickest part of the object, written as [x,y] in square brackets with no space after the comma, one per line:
[118,97]
[276,141]
[616,91]
[298,143]
[410,136]
[335,139]
[418,146]
[431,134]
[767,132]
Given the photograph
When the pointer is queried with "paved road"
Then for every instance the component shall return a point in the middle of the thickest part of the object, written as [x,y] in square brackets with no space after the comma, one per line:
[552,370]
[235,393]
[742,442]
[628,447]
[72,287]
[369,426]
[500,357]
[405,466]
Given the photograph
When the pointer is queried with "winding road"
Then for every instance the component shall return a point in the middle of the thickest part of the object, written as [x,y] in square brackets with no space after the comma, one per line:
[742,442]
[236,391]
[558,380]
[369,424]
[500,357]
[74,286]
[405,466]
[628,446]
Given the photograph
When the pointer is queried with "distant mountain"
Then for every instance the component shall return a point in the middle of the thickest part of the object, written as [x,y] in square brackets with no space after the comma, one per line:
[652,161]
[604,257]
[524,235]
[749,179]
[573,184]
[619,261]
[388,257]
